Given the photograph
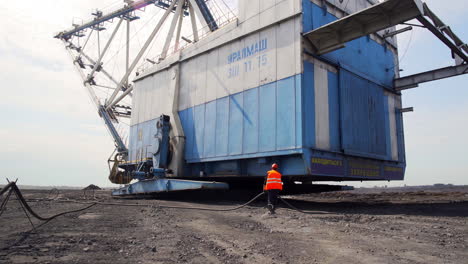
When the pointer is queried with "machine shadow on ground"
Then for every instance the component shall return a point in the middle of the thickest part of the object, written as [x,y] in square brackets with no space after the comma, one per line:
[314,203]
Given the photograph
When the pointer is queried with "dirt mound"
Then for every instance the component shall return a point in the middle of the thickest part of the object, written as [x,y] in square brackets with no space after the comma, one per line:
[92,187]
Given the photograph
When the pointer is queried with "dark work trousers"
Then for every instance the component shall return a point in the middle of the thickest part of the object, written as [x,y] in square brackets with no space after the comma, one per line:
[273,198]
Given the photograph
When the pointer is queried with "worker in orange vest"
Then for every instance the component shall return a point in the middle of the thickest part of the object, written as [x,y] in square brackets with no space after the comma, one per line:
[273,185]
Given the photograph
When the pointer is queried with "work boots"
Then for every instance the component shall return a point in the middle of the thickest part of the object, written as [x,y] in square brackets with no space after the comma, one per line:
[271,208]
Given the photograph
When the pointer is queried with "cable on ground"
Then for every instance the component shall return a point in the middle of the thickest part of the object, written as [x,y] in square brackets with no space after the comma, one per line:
[12,186]
[299,210]
[168,206]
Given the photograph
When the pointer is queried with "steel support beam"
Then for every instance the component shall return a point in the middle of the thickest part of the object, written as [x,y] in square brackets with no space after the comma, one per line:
[194,23]
[412,81]
[206,14]
[122,11]
[111,101]
[98,62]
[107,74]
[91,92]
[179,29]
[100,108]
[198,12]
[108,121]
[440,35]
[386,14]
[396,32]
[127,50]
[172,27]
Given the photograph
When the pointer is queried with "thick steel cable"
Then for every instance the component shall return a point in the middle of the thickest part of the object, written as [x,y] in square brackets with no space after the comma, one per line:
[299,210]
[25,212]
[6,188]
[168,206]
[5,201]
[31,211]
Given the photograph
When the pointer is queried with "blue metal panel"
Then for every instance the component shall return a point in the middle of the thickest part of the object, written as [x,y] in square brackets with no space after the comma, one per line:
[285,113]
[400,136]
[250,140]
[199,121]
[320,16]
[186,117]
[334,111]
[387,129]
[222,125]
[236,118]
[265,119]
[210,130]
[299,121]
[307,15]
[151,130]
[267,122]
[132,142]
[309,105]
[362,116]
[363,56]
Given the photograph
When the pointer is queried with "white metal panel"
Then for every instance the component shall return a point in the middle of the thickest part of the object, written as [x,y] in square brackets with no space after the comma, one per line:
[149,99]
[267,12]
[183,89]
[285,49]
[393,130]
[163,101]
[251,65]
[223,71]
[135,105]
[212,76]
[250,18]
[322,120]
[215,74]
[142,107]
[213,40]
[241,7]
[268,60]
[192,78]
[199,69]
[298,54]
[297,6]
[155,94]
[234,82]
[284,9]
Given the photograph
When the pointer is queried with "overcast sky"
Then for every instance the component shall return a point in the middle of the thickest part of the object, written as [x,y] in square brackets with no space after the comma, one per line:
[51,135]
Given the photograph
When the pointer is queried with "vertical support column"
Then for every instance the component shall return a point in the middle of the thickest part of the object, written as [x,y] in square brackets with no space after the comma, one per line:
[178,13]
[194,23]
[127,55]
[179,28]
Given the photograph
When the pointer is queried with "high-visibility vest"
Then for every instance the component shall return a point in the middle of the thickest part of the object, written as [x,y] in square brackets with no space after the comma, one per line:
[273,181]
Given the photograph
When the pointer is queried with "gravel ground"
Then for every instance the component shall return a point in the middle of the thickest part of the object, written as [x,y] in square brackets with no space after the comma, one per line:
[353,227]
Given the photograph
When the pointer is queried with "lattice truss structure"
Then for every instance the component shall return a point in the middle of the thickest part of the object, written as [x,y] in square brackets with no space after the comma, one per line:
[116,45]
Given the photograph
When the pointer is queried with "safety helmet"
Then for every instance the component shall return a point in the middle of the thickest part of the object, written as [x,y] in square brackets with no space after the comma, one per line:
[274,166]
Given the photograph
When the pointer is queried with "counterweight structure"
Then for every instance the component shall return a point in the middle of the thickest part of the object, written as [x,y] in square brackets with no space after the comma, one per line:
[312,85]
